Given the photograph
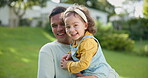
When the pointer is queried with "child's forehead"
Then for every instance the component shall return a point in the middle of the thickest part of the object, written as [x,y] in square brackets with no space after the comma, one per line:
[71,13]
[73,20]
[75,16]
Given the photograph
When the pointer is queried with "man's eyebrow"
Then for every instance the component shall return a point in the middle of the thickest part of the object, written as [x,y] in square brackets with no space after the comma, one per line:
[53,24]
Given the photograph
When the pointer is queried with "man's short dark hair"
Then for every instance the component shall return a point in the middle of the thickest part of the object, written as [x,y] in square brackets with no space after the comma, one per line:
[57,10]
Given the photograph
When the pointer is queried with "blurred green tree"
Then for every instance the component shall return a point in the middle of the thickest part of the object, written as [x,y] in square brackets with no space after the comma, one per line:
[102,5]
[19,7]
[145,8]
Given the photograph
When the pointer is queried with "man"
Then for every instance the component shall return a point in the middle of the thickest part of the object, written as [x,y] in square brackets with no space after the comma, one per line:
[51,53]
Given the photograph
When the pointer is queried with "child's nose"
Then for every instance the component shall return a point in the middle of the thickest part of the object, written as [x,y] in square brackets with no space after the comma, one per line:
[72,28]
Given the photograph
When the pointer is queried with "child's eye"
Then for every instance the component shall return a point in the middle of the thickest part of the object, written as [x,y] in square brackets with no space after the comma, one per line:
[67,26]
[75,25]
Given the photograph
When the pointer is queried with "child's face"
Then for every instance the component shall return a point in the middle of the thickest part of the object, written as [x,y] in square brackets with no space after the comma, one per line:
[75,26]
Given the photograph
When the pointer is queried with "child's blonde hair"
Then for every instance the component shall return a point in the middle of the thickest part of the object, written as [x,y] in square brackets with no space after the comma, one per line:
[84,14]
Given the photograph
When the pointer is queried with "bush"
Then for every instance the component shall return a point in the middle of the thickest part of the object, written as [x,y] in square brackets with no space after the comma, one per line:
[117,42]
[114,40]
[0,22]
[138,28]
[39,24]
[25,22]
[144,50]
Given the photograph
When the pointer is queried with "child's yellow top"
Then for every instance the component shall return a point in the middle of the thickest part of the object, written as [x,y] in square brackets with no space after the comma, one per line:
[86,51]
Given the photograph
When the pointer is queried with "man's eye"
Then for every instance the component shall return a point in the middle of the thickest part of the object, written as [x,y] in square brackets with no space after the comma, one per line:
[53,26]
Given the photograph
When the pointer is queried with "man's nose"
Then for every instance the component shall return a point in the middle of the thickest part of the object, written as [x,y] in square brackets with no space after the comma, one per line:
[59,28]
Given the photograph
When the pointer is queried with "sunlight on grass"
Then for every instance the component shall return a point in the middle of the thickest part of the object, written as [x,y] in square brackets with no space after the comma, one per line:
[25,60]
[146,47]
[12,50]
[19,49]
[48,36]
[123,77]
[1,52]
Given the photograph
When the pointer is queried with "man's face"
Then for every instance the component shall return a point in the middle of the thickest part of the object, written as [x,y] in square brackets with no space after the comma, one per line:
[58,29]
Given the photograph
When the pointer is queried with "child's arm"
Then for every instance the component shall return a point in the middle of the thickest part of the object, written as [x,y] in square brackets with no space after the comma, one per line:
[87,50]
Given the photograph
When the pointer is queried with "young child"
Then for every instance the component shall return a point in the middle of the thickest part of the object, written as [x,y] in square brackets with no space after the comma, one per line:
[87,56]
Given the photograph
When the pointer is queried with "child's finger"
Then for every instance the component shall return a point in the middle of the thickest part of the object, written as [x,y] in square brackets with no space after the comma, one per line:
[64,57]
[62,65]
[68,57]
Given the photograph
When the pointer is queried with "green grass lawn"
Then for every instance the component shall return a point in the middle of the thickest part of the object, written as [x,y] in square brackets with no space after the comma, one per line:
[140,45]
[19,49]
[128,65]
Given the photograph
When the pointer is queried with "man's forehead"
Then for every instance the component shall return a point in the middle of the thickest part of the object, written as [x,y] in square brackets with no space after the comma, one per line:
[57,20]
[61,16]
[57,17]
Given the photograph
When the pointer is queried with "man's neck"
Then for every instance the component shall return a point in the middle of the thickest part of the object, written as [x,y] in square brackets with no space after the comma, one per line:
[66,43]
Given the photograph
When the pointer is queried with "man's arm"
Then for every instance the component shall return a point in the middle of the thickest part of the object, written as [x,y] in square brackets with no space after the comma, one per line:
[45,65]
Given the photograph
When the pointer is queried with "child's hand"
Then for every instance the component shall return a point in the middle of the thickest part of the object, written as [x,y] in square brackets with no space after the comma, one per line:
[66,57]
[64,60]
[64,64]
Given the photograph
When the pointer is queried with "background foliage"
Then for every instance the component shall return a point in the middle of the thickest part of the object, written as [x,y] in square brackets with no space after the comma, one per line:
[145,8]
[114,40]
[102,5]
[136,27]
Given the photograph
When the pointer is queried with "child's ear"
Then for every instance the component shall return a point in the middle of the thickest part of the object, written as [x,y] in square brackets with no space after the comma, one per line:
[86,25]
